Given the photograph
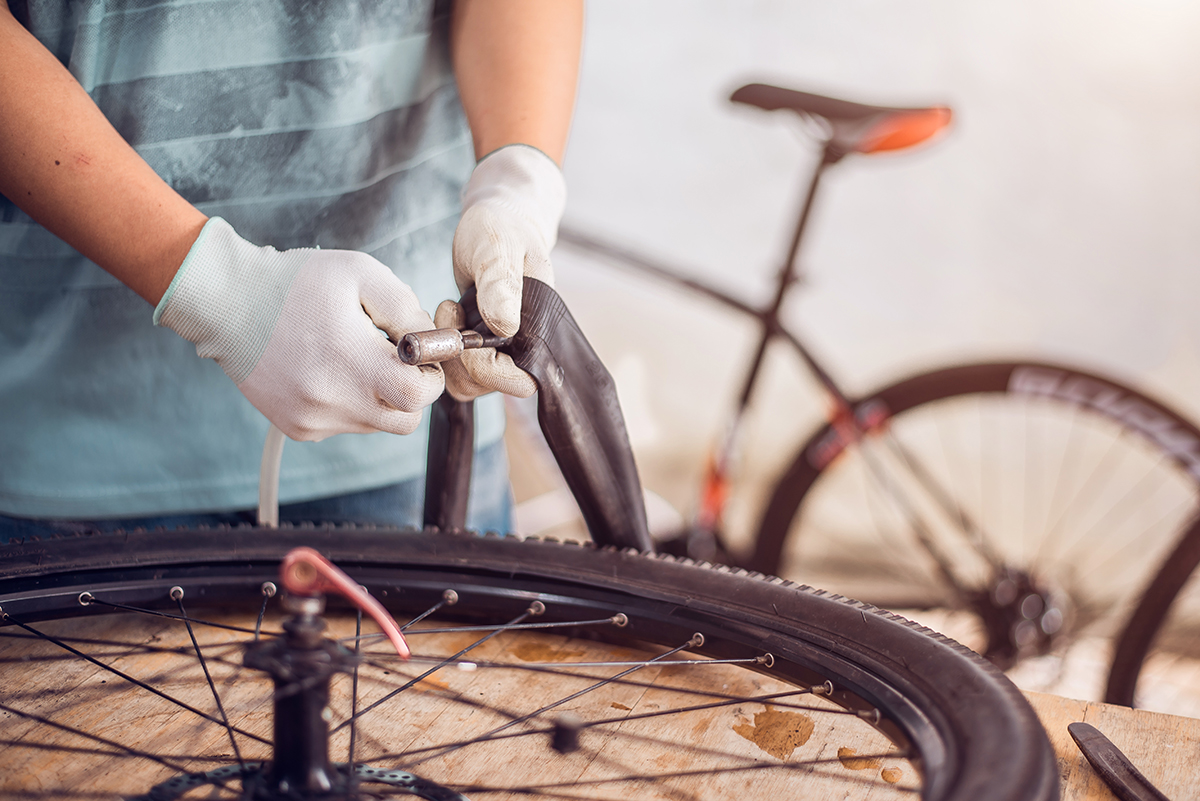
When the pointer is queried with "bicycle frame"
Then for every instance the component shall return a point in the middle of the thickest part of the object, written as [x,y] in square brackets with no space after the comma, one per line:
[711,507]
[704,536]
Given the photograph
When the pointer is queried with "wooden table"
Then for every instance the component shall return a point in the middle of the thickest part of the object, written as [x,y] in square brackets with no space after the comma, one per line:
[44,681]
[1165,748]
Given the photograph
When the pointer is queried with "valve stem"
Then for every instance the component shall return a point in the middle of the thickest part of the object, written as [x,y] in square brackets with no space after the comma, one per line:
[443,344]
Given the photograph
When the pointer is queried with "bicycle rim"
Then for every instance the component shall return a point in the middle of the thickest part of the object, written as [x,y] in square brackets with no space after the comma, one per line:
[1082,484]
[917,704]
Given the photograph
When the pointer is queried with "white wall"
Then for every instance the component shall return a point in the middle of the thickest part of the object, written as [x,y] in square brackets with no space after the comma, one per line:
[1057,220]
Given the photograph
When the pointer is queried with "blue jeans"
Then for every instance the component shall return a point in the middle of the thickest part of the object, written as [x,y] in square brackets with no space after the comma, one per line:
[488,509]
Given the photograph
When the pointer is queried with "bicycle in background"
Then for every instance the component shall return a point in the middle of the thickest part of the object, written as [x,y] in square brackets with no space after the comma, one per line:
[1030,495]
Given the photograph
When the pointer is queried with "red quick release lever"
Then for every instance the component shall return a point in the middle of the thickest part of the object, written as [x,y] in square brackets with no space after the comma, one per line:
[305,572]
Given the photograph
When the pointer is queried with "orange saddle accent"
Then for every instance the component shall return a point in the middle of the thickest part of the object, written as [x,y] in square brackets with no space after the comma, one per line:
[855,127]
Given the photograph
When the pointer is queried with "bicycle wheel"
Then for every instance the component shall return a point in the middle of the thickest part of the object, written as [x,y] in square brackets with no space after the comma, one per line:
[1040,498]
[667,714]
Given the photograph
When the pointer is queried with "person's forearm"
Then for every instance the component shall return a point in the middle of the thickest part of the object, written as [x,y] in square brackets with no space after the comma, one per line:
[517,65]
[66,167]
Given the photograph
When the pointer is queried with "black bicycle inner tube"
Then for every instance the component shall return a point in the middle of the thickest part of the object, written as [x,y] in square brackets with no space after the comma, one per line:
[579,415]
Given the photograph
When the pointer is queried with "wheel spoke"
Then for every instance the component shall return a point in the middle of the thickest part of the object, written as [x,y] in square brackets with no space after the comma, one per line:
[694,642]
[532,610]
[208,676]
[92,599]
[268,590]
[566,624]
[134,681]
[772,699]
[358,617]
[917,527]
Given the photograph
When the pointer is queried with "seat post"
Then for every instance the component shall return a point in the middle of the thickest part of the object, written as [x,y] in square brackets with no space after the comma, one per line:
[788,275]
[790,270]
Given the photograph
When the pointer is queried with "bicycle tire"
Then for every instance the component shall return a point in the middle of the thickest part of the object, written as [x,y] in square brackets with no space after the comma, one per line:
[1164,433]
[975,735]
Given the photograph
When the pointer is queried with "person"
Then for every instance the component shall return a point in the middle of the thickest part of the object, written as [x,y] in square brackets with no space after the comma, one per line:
[281,181]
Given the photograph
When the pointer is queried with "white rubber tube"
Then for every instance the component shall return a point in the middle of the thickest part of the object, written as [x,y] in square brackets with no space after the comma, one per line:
[268,478]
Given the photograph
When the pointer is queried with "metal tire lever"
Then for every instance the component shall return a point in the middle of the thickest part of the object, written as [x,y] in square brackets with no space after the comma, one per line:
[1126,782]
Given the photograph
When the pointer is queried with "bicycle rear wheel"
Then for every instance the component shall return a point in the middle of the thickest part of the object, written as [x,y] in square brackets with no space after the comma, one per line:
[1055,495]
[779,662]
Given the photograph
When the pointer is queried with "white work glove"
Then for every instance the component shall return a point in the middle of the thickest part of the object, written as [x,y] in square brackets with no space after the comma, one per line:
[511,209]
[298,331]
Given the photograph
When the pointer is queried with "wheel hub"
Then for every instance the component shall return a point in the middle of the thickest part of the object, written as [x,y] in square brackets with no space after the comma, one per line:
[301,664]
[1021,618]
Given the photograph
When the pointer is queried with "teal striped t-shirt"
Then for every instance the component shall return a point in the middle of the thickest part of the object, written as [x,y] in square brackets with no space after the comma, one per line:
[303,123]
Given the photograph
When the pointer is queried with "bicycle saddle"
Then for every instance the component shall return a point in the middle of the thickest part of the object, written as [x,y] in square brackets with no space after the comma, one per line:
[855,127]
[578,413]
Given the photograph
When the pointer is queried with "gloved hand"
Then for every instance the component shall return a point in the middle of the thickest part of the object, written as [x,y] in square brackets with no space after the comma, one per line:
[511,209]
[298,331]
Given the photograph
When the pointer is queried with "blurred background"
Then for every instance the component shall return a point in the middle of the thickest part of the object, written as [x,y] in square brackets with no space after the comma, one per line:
[1057,220]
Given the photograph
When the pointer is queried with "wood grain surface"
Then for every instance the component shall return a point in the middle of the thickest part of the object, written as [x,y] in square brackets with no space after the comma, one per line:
[71,728]
[1164,748]
[800,746]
